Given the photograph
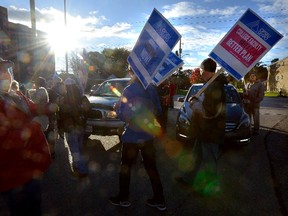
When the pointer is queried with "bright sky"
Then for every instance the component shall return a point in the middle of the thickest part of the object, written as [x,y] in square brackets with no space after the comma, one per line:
[95,25]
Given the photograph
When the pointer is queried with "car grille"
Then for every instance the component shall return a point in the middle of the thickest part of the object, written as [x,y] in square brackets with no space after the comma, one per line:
[230,126]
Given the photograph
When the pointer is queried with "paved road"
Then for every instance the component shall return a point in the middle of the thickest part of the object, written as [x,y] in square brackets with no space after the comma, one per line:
[254,177]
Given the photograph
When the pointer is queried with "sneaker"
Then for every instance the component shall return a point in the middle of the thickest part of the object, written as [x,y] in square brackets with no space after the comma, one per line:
[118,202]
[159,205]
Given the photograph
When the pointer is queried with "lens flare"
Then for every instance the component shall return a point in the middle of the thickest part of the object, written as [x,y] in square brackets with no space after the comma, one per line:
[115,91]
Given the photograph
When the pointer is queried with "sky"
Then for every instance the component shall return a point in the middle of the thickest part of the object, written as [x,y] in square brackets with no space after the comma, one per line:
[95,25]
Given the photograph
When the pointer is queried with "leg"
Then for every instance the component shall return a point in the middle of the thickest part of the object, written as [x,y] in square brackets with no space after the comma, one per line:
[256,119]
[207,181]
[149,160]
[128,157]
[196,160]
[78,163]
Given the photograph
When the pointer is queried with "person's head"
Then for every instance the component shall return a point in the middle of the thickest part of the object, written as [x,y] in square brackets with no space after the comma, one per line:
[14,86]
[207,68]
[40,82]
[5,76]
[61,88]
[253,77]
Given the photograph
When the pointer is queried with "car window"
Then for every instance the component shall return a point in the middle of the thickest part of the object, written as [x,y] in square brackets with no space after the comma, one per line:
[194,89]
[111,88]
[232,95]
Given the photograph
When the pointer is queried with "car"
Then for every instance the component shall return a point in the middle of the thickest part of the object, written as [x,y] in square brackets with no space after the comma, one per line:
[102,118]
[237,120]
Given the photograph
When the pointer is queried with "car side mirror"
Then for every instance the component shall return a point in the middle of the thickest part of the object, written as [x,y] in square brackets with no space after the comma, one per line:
[180,99]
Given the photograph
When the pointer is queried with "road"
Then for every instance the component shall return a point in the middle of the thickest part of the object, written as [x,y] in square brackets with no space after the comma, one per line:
[254,176]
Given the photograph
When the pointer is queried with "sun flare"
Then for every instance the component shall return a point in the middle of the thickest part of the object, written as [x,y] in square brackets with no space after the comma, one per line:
[62,39]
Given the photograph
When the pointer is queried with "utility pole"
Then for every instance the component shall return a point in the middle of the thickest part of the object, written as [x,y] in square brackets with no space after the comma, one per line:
[34,36]
[180,49]
[66,53]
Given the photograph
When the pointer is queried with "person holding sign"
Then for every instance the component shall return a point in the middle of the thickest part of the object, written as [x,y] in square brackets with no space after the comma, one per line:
[208,131]
[255,94]
[139,109]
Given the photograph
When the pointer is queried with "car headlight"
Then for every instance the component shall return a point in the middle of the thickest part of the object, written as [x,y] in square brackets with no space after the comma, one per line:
[111,115]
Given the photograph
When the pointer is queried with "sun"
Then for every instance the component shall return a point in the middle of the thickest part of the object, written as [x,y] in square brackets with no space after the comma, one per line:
[62,39]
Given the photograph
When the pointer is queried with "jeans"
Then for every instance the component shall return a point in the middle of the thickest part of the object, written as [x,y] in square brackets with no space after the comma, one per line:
[129,156]
[255,115]
[74,140]
[204,164]
[24,199]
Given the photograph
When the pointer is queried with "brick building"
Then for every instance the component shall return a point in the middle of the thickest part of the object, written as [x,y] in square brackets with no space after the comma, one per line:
[32,56]
[278,76]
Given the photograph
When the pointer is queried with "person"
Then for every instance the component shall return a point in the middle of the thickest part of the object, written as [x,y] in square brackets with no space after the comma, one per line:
[41,98]
[139,108]
[72,122]
[255,94]
[163,91]
[208,131]
[24,151]
[172,91]
[55,91]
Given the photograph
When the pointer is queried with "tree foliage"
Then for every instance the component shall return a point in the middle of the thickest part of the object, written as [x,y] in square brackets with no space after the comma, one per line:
[195,76]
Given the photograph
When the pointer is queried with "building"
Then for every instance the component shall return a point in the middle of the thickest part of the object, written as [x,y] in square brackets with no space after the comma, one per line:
[31,55]
[278,77]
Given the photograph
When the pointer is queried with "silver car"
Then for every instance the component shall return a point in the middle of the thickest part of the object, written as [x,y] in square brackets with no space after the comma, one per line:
[102,118]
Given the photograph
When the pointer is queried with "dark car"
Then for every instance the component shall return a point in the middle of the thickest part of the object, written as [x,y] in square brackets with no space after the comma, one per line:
[237,120]
[102,118]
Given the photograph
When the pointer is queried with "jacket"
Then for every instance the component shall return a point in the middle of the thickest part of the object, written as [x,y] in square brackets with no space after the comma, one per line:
[70,114]
[210,125]
[255,93]
[24,151]
[139,109]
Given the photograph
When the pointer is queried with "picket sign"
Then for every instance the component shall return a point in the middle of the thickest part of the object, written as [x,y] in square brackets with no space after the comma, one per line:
[243,46]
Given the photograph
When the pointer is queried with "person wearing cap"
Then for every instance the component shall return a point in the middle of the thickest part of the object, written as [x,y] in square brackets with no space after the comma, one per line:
[208,122]
[71,123]
[24,151]
[255,93]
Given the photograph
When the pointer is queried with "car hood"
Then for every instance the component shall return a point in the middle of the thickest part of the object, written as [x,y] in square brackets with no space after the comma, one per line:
[103,101]
[234,111]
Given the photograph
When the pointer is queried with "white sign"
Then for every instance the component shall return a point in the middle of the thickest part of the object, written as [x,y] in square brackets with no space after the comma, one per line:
[172,63]
[152,48]
[245,44]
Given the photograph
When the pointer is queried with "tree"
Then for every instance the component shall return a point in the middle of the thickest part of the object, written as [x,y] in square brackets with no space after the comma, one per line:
[116,61]
[261,72]
[195,76]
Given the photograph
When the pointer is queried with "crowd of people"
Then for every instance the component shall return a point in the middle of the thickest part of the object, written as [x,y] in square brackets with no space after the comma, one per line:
[31,120]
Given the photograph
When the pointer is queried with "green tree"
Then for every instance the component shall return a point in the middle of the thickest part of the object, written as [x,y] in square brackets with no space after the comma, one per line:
[116,61]
[261,72]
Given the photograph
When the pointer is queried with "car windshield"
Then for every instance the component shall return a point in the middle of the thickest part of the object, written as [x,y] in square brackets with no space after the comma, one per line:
[111,88]
[232,95]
